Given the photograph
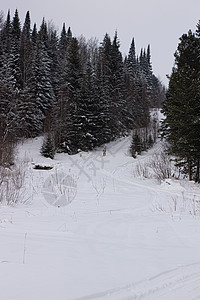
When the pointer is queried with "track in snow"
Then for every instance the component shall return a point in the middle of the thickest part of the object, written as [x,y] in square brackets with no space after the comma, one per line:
[181,283]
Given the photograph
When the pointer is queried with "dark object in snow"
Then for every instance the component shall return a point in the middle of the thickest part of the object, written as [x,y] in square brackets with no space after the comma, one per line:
[104,151]
[39,167]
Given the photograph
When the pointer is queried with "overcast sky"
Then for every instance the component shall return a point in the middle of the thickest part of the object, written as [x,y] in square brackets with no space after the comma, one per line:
[159,23]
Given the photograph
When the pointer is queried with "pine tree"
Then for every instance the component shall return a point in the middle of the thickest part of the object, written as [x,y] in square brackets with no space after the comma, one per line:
[131,69]
[149,65]
[110,80]
[117,89]
[68,139]
[14,78]
[90,121]
[182,106]
[54,65]
[136,145]
[34,35]
[131,60]
[198,30]
[63,52]
[103,75]
[29,117]
[41,89]
[26,53]
[48,149]
[5,41]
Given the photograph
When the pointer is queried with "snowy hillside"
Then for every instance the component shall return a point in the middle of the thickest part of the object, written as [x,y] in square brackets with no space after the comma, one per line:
[90,228]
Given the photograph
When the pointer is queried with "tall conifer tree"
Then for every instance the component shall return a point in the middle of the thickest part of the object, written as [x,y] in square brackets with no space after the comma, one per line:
[26,52]
[14,63]
[182,107]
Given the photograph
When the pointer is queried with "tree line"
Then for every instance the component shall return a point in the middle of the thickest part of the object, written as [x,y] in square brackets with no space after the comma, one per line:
[81,93]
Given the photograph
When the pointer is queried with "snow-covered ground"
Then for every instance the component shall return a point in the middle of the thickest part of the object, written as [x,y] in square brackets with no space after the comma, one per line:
[106,234]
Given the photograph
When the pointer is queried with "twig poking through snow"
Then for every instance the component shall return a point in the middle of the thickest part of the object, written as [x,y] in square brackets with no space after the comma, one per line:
[24,248]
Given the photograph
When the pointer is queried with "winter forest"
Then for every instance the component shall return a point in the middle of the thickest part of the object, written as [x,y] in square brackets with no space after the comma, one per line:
[99,161]
[80,94]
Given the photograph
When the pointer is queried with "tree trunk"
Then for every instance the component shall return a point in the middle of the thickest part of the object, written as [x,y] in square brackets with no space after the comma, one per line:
[197,172]
[190,171]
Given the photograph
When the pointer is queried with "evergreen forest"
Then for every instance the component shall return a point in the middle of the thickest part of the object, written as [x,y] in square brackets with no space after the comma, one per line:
[79,93]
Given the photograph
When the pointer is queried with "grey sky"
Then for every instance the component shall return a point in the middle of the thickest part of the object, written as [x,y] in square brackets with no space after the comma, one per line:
[159,23]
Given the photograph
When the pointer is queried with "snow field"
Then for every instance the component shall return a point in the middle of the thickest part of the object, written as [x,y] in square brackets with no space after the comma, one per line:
[120,237]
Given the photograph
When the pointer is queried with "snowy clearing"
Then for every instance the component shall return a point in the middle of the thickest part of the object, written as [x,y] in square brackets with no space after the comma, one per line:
[101,233]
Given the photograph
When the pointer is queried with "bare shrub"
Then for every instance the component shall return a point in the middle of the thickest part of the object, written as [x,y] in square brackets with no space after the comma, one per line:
[11,184]
[177,206]
[7,151]
[194,206]
[142,170]
[161,165]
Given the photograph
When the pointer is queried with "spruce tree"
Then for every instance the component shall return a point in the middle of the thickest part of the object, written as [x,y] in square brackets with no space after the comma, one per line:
[182,106]
[104,75]
[5,37]
[41,90]
[48,149]
[117,89]
[136,145]
[10,71]
[68,140]
[14,64]
[105,133]
[26,53]
[63,53]
[131,69]
[131,60]
[54,65]
[89,115]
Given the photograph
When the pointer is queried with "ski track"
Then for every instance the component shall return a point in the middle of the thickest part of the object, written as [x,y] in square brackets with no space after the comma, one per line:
[118,173]
[180,283]
[175,284]
[170,284]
